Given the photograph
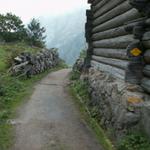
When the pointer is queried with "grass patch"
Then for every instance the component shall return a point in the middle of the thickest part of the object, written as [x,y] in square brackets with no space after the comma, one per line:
[20,46]
[13,91]
[5,139]
[79,90]
[10,50]
[136,141]
[132,141]
[74,75]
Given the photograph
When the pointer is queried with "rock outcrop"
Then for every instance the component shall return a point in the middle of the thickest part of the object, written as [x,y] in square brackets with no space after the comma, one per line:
[118,106]
[79,65]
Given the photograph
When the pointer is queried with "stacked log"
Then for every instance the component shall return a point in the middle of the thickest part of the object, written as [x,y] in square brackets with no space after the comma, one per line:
[146,80]
[32,64]
[147,56]
[110,35]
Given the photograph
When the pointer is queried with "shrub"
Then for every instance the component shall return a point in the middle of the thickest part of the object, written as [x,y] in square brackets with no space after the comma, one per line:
[75,75]
[83,54]
[81,87]
[10,57]
[134,141]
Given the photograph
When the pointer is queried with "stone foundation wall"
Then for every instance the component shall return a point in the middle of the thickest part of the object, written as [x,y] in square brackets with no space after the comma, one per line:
[120,106]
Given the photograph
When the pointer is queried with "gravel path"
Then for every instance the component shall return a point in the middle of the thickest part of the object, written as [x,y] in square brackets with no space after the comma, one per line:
[51,121]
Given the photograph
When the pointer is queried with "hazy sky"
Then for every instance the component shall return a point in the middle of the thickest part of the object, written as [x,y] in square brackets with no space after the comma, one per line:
[28,9]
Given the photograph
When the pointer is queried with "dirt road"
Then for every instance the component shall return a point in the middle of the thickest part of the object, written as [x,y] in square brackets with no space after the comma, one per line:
[51,121]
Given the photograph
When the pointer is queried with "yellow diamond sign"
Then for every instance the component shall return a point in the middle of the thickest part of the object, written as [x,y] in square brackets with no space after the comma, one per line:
[136,52]
[134,100]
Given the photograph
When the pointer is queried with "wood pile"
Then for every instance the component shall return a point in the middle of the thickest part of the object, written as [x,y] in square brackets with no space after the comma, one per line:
[31,64]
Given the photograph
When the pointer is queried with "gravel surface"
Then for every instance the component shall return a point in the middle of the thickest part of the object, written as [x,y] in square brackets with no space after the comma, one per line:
[51,121]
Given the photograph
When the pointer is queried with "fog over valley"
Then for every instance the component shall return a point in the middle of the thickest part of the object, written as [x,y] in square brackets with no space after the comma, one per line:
[64,21]
[66,32]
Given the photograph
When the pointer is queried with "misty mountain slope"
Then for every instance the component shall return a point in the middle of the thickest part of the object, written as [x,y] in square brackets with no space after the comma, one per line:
[67,34]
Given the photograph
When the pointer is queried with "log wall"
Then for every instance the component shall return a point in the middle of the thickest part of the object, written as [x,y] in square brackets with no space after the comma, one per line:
[110,36]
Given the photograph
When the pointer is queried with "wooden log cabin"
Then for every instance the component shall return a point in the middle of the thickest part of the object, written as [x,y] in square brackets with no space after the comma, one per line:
[118,37]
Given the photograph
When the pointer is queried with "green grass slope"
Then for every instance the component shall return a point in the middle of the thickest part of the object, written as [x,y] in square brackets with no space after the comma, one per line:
[13,90]
[8,51]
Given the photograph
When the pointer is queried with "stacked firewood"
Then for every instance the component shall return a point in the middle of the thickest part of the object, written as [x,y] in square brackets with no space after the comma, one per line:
[30,64]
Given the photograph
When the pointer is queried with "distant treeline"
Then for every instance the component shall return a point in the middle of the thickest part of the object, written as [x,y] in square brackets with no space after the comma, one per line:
[12,29]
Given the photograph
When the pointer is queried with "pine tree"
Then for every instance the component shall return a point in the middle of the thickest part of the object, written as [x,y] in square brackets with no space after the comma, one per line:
[36,33]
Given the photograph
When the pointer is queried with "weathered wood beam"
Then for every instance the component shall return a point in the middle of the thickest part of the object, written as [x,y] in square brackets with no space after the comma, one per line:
[146,36]
[90,1]
[120,31]
[118,42]
[115,72]
[138,20]
[99,5]
[20,65]
[111,53]
[146,84]
[146,44]
[88,26]
[146,70]
[122,64]
[117,21]
[120,9]
[147,56]
[134,71]
[95,2]
[108,6]
[148,21]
